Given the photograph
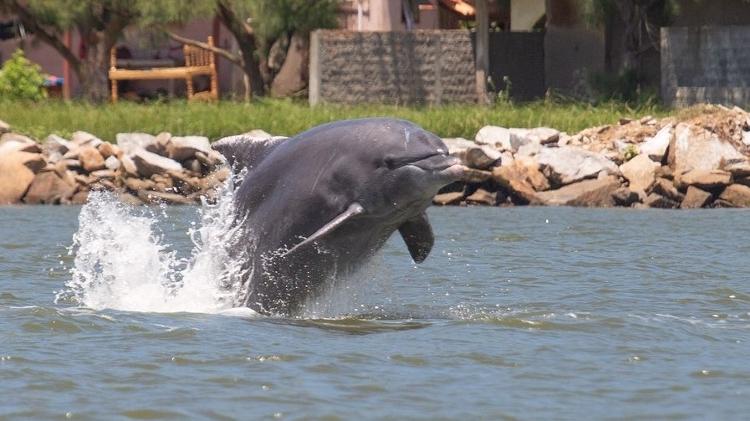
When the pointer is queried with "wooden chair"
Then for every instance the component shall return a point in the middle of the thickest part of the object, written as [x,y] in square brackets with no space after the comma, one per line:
[198,61]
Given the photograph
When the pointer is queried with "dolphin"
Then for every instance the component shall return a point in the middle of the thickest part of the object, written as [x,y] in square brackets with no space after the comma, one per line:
[320,204]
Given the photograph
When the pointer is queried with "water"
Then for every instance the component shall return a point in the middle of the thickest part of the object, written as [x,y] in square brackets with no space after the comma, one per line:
[519,313]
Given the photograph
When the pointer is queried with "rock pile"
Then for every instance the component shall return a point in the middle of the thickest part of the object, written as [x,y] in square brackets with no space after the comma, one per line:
[139,167]
[701,158]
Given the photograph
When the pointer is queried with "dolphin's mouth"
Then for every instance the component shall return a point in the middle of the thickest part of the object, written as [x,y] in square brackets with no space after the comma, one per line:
[433,163]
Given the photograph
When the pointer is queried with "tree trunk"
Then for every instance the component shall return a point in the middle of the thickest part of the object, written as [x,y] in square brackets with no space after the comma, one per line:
[408,11]
[93,81]
[246,42]
[93,70]
[293,75]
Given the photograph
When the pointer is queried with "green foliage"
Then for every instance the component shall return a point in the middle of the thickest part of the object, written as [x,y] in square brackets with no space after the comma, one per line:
[57,16]
[156,12]
[21,79]
[273,19]
[285,117]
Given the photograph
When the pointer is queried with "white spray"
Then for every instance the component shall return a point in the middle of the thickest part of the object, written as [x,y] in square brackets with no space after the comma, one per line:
[121,261]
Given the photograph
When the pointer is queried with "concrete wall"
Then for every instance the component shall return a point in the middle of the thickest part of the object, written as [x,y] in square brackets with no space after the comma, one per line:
[705,64]
[422,67]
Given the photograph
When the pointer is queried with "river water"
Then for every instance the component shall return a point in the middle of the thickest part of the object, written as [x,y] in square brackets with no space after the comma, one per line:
[519,313]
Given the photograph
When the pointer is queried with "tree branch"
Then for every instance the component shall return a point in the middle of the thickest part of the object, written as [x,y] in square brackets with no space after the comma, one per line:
[30,21]
[234,58]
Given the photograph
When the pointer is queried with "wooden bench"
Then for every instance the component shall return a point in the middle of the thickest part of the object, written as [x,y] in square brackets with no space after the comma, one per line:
[198,61]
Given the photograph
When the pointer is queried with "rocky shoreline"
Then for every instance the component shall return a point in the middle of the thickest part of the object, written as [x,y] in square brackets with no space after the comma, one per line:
[699,159]
[138,167]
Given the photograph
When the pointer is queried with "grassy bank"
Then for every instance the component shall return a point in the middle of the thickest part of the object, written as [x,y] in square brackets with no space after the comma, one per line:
[284,117]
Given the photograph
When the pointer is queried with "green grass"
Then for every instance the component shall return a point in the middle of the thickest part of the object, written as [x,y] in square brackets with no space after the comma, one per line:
[284,117]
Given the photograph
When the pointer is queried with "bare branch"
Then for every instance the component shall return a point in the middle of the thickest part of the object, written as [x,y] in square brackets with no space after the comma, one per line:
[234,58]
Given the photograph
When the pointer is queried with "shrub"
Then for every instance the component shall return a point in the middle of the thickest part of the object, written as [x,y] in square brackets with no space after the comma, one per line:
[21,79]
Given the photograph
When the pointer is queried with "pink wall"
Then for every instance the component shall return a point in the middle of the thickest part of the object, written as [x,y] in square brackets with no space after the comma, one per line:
[385,15]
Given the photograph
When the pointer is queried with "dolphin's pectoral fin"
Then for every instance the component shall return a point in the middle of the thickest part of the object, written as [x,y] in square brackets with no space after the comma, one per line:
[245,152]
[417,234]
[353,210]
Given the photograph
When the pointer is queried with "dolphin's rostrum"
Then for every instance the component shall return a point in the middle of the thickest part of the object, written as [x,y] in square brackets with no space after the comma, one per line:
[319,204]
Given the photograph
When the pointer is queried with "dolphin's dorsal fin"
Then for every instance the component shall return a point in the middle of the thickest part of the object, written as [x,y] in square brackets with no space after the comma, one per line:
[353,210]
[417,234]
[243,151]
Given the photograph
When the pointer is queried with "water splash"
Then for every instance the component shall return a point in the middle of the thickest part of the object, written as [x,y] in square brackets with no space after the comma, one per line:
[122,261]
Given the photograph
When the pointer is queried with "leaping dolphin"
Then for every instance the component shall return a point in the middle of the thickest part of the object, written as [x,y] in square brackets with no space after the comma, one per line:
[321,203]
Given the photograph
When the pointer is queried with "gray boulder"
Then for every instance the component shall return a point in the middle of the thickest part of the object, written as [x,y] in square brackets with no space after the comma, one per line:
[129,143]
[17,171]
[695,198]
[148,163]
[623,196]
[14,142]
[655,147]
[81,138]
[129,165]
[695,148]
[640,172]
[655,200]
[181,148]
[737,194]
[587,193]
[665,188]
[482,197]
[456,145]
[56,144]
[112,163]
[496,136]
[704,179]
[566,165]
[160,144]
[481,157]
[48,188]
[91,159]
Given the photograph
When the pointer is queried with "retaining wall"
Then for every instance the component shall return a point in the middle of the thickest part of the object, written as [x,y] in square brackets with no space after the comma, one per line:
[705,64]
[419,67]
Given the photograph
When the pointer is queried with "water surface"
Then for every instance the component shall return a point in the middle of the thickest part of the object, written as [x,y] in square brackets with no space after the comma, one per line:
[519,313]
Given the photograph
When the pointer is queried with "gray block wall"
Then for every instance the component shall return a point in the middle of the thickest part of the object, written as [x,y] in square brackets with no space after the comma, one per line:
[705,64]
[420,67]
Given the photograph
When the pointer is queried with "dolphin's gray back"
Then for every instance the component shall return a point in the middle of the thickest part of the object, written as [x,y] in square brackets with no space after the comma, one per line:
[246,152]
